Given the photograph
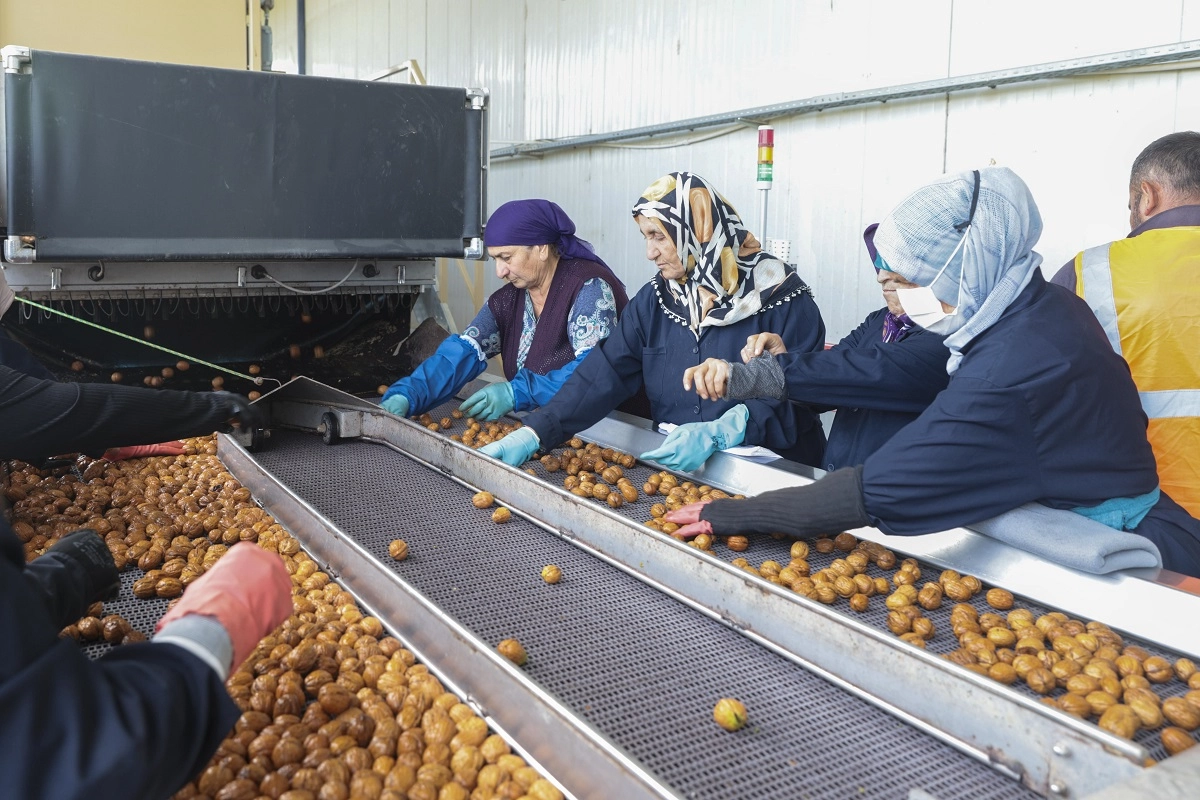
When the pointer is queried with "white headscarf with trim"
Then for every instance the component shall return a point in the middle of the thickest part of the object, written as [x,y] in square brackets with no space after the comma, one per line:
[996,260]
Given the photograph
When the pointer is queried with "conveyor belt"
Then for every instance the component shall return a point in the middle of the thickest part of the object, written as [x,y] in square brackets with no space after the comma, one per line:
[643,669]
[143,615]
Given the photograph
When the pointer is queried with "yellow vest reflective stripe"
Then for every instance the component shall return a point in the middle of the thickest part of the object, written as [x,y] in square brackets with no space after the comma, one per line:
[1095,286]
[1179,403]
[1145,294]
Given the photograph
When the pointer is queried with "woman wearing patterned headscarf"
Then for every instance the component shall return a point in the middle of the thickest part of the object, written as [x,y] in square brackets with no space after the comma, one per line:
[558,302]
[714,288]
[1039,438]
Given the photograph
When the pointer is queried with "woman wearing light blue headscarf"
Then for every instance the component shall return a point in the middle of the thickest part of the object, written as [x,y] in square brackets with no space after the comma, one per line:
[1039,410]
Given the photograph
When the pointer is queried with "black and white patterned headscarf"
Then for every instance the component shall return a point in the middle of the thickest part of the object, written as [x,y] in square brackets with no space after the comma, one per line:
[727,275]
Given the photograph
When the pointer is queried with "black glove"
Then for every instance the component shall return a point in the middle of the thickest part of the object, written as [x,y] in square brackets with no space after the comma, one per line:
[76,572]
[240,411]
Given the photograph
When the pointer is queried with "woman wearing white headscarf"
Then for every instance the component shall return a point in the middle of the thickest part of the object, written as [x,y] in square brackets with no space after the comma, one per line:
[1039,409]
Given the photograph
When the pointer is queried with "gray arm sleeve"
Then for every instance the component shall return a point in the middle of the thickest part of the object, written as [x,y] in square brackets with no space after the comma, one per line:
[203,637]
[761,378]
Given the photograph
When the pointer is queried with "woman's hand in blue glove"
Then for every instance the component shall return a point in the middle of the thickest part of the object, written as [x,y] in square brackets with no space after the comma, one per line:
[489,403]
[690,445]
[514,449]
[396,404]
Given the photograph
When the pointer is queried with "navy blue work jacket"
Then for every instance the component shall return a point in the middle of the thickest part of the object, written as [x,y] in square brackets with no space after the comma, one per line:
[876,387]
[653,349]
[137,723]
[1040,410]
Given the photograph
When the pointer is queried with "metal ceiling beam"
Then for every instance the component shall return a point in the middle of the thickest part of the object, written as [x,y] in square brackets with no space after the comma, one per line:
[1161,54]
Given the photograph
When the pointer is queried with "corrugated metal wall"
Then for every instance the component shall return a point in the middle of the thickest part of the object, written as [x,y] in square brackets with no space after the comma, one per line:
[567,67]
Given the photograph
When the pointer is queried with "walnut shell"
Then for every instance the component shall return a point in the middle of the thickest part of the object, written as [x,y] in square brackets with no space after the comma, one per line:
[1121,720]
[1176,740]
[1004,673]
[1000,599]
[1181,713]
[513,651]
[1148,712]
[898,622]
[957,591]
[1158,670]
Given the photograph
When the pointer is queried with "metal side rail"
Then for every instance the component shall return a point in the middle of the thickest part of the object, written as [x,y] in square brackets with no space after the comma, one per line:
[563,747]
[1048,751]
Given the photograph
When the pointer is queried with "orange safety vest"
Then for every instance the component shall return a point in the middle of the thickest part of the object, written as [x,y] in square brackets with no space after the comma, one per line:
[1145,291]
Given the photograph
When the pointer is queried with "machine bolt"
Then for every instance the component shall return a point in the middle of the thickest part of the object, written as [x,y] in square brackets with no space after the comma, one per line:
[1061,749]
[1059,789]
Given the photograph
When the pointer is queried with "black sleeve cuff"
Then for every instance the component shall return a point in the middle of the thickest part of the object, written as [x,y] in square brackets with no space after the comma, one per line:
[830,505]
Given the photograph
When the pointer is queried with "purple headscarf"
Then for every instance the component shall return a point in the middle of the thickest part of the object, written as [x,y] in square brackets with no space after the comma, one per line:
[533,222]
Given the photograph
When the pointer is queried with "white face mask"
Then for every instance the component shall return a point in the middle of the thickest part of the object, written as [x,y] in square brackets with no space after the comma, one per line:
[923,307]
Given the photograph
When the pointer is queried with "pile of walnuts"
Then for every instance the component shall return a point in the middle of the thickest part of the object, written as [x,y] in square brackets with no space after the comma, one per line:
[332,707]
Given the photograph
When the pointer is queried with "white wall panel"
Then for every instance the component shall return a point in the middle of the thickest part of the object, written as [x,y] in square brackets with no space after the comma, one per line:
[569,67]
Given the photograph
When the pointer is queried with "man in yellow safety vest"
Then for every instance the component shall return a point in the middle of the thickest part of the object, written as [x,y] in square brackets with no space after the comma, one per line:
[1144,291]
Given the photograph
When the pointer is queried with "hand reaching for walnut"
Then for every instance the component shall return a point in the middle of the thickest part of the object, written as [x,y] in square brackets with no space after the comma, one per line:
[689,517]
[759,343]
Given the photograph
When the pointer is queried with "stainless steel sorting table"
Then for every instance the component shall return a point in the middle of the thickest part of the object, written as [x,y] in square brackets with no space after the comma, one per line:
[641,667]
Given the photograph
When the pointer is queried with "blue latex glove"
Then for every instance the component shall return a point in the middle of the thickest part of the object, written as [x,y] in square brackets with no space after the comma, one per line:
[690,445]
[489,403]
[514,449]
[396,404]
[437,378]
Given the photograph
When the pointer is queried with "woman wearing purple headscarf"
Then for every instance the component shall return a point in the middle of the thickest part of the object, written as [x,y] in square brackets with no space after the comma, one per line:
[559,301]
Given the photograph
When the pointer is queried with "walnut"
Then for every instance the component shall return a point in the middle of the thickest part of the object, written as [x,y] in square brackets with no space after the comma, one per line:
[730,714]
[1004,673]
[1176,740]
[957,591]
[551,574]
[513,651]
[169,587]
[845,541]
[483,500]
[1158,670]
[1121,720]
[501,515]
[930,596]
[1000,599]
[1181,713]
[398,549]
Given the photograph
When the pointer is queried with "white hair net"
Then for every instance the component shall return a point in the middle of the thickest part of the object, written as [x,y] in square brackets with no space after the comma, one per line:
[996,260]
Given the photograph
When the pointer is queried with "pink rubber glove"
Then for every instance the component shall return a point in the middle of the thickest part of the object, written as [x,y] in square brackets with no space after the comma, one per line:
[248,591]
[144,450]
[689,517]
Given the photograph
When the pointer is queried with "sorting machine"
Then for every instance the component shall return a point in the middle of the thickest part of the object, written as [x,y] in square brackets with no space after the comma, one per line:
[117,212]
[631,650]
[236,217]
